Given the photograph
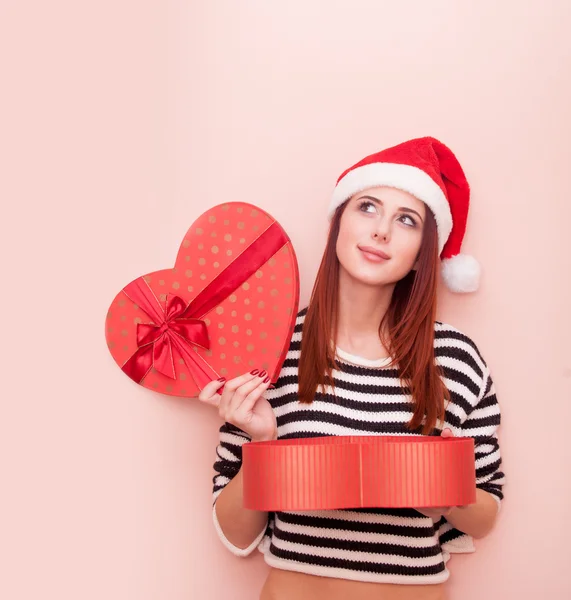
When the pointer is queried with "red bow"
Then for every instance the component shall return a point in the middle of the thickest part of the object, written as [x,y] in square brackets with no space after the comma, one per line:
[168,329]
[172,331]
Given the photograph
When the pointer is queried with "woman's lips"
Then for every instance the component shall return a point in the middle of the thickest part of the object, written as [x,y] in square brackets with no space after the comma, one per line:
[374,256]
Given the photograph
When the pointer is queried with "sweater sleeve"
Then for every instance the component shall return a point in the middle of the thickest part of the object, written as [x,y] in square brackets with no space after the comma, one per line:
[227,464]
[482,424]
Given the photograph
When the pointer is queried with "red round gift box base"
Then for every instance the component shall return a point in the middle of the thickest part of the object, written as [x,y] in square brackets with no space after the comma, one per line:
[336,472]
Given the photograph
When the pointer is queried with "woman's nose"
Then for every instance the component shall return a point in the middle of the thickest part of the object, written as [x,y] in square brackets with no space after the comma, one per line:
[382,232]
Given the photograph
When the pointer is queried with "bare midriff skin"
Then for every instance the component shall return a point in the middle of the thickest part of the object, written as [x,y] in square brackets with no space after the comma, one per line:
[285,585]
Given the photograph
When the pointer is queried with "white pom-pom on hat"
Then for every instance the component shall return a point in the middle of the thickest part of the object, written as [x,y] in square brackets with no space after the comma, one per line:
[427,169]
[461,273]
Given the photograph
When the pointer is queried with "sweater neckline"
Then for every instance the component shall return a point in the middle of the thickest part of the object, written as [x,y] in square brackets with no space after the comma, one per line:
[360,361]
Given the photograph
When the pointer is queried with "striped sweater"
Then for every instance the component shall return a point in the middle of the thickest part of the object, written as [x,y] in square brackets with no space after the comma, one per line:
[374,545]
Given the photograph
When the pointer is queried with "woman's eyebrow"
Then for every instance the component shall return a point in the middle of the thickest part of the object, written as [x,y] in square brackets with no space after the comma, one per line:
[401,208]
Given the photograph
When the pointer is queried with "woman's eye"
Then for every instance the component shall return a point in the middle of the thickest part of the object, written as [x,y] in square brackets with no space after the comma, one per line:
[411,222]
[364,206]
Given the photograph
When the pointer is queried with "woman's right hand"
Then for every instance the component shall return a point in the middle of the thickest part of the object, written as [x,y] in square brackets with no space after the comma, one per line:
[242,404]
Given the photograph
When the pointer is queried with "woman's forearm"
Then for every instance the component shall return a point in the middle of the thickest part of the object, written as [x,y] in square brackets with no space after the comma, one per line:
[475,519]
[240,525]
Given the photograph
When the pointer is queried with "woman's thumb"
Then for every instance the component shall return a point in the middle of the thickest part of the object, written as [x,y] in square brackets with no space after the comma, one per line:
[209,393]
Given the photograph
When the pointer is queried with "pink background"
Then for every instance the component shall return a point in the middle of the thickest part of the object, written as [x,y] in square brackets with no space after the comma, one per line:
[122,121]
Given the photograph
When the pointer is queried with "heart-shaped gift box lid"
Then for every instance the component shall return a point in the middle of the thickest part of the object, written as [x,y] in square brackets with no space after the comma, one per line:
[227,306]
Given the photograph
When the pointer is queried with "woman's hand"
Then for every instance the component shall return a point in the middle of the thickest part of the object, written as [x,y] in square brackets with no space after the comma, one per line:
[242,404]
[438,511]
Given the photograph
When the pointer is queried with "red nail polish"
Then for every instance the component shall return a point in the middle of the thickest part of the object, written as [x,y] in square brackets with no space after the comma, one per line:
[221,379]
[266,380]
[262,373]
[254,372]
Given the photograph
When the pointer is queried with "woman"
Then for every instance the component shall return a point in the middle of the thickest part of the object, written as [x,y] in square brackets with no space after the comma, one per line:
[368,357]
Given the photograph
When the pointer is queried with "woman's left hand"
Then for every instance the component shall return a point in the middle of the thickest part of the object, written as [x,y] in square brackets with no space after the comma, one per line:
[438,511]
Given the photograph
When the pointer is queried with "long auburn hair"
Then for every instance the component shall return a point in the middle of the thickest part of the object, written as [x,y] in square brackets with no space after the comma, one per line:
[409,322]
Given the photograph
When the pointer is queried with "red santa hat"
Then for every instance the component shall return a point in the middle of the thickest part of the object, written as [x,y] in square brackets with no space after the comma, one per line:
[427,169]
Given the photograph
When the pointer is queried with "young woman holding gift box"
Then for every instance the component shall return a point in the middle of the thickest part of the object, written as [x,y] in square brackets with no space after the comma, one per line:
[373,360]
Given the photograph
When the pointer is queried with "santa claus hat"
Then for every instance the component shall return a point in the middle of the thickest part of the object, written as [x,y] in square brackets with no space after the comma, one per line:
[427,169]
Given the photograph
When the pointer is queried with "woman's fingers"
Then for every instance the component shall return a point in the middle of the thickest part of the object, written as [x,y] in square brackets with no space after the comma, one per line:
[236,401]
[230,388]
[239,395]
[447,432]
[233,384]
[243,407]
[209,393]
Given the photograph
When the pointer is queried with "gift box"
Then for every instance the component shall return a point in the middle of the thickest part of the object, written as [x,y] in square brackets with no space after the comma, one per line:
[227,306]
[338,472]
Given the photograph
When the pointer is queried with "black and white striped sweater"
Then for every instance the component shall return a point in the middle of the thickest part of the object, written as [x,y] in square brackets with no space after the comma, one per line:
[375,545]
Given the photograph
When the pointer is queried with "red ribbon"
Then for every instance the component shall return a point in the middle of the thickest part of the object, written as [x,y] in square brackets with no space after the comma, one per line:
[182,327]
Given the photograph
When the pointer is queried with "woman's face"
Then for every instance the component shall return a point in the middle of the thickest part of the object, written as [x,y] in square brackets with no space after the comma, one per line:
[380,233]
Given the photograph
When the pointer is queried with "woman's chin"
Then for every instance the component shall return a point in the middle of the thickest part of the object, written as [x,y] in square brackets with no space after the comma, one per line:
[370,279]
[370,275]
